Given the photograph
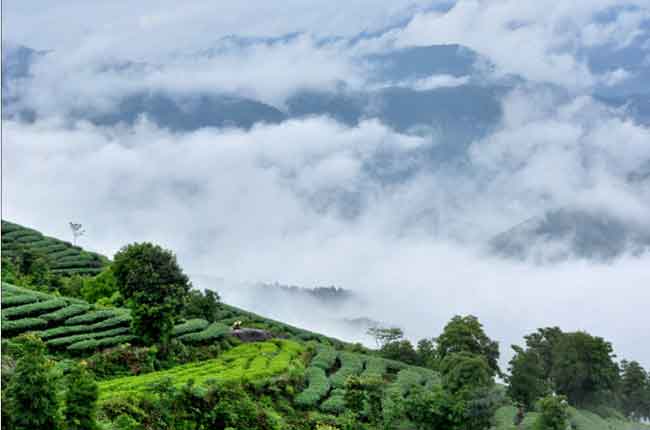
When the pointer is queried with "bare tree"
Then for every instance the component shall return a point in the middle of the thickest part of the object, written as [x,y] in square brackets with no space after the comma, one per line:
[76,231]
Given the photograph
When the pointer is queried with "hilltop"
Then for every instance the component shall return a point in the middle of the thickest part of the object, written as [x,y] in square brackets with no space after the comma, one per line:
[225,366]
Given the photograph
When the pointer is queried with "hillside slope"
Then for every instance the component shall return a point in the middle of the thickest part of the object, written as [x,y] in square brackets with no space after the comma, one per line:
[65,258]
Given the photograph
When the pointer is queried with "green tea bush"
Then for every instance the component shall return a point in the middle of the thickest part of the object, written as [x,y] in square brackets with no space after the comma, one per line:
[92,344]
[324,358]
[69,340]
[65,313]
[18,326]
[92,317]
[190,326]
[33,308]
[335,403]
[317,388]
[238,364]
[214,331]
[375,368]
[18,299]
[351,364]
[406,379]
[120,320]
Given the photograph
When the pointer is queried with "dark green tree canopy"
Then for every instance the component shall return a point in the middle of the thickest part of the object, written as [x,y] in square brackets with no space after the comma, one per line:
[583,367]
[31,393]
[527,381]
[465,334]
[635,390]
[154,286]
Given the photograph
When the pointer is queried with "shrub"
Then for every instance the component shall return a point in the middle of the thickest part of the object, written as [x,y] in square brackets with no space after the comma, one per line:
[93,344]
[120,320]
[335,403]
[351,364]
[69,340]
[214,331]
[375,368]
[92,317]
[64,313]
[317,388]
[554,413]
[25,324]
[190,326]
[34,308]
[19,299]
[80,400]
[325,358]
[31,393]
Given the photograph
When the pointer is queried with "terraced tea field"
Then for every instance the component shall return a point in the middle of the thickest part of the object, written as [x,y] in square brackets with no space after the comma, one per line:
[77,327]
[248,362]
[63,323]
[63,257]
[329,369]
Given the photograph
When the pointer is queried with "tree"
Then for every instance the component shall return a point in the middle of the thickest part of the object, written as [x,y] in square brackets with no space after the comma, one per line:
[583,367]
[426,352]
[31,393]
[433,408]
[77,231]
[384,335]
[462,371]
[154,286]
[526,382]
[635,388]
[202,305]
[465,334]
[553,413]
[543,343]
[80,399]
[104,285]
[401,350]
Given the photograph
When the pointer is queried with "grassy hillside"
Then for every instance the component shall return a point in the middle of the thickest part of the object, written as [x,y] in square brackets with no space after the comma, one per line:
[298,377]
[77,327]
[63,257]
[580,419]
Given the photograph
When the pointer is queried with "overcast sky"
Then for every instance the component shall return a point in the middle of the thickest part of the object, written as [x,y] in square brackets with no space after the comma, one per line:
[269,204]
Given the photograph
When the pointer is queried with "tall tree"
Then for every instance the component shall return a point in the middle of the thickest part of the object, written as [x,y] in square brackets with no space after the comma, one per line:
[465,334]
[583,367]
[154,286]
[80,399]
[635,388]
[31,393]
[527,380]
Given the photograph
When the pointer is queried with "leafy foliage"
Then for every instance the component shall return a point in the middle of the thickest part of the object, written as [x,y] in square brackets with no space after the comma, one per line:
[554,413]
[80,400]
[526,382]
[465,334]
[318,387]
[211,333]
[31,394]
[154,286]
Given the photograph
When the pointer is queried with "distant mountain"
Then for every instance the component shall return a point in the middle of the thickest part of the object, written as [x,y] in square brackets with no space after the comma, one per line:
[189,112]
[444,107]
[562,233]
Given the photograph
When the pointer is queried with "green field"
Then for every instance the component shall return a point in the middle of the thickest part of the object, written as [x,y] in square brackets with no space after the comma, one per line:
[248,362]
[79,328]
[63,257]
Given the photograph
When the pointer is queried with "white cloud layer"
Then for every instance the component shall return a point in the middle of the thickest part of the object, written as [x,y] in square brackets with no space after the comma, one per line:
[538,40]
[299,202]
[294,203]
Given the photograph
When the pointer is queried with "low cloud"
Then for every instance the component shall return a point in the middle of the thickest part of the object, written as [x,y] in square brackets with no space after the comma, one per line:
[296,203]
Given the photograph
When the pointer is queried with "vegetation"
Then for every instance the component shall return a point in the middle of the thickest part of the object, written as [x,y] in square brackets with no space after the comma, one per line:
[299,380]
[154,287]
[31,393]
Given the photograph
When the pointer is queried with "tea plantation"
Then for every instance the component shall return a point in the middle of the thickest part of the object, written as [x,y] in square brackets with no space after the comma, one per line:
[64,258]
